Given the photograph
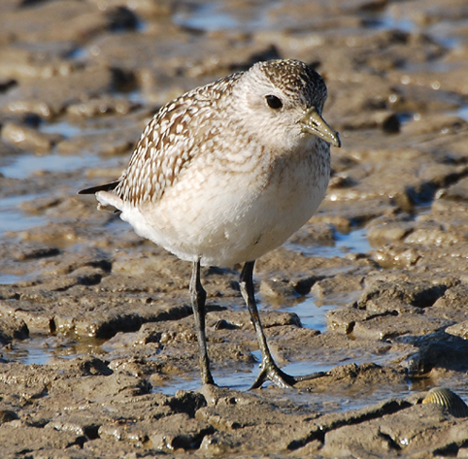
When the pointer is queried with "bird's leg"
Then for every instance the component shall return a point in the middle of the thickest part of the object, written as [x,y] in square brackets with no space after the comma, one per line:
[268,368]
[198,298]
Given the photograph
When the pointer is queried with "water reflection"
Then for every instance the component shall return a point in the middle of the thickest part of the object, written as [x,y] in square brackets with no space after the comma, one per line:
[22,166]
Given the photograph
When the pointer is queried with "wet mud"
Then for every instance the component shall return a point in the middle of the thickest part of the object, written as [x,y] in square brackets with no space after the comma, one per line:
[99,351]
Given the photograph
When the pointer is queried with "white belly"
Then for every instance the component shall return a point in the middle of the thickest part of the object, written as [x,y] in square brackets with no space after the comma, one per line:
[225,219]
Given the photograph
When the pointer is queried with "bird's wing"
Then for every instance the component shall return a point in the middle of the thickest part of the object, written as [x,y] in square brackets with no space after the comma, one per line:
[168,145]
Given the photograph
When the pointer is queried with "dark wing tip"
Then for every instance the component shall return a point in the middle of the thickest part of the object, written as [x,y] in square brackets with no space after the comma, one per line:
[95,189]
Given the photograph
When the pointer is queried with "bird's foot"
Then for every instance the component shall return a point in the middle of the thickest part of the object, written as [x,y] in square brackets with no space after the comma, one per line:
[207,378]
[269,371]
[279,378]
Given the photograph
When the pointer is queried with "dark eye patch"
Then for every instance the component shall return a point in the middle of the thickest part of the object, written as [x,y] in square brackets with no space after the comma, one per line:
[274,102]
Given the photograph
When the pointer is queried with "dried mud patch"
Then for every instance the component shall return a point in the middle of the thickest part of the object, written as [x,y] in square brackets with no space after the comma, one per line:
[378,319]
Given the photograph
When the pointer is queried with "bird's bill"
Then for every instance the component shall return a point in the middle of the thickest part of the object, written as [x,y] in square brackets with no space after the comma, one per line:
[313,123]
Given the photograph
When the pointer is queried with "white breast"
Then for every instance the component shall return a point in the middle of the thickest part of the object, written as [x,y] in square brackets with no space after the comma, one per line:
[226,218]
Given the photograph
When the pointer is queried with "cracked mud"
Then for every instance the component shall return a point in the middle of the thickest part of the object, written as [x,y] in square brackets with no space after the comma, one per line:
[99,351]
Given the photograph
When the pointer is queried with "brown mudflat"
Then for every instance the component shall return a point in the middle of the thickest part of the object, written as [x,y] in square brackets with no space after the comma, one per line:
[378,276]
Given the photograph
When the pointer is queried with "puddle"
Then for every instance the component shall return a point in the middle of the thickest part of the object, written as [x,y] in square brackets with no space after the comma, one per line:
[356,241]
[78,54]
[63,128]
[387,22]
[449,33]
[311,315]
[25,165]
[239,379]
[88,127]
[429,68]
[210,17]
[407,117]
[463,113]
[206,17]
[213,16]
[216,16]
[39,349]
[347,399]
[14,219]
[29,352]
[6,279]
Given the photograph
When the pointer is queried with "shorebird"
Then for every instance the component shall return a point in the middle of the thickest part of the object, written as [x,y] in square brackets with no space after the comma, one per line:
[227,172]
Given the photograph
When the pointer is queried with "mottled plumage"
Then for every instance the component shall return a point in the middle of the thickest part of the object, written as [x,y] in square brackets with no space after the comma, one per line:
[228,171]
[181,130]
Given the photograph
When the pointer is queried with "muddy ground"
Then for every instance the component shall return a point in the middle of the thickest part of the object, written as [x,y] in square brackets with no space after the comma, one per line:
[109,312]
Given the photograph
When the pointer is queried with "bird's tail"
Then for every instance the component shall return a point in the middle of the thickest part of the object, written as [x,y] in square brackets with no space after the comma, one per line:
[105,187]
[105,199]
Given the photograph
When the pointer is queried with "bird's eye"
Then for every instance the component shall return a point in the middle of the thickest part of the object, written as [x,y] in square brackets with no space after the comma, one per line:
[274,102]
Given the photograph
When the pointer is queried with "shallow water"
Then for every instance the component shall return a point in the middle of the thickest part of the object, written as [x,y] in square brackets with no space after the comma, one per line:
[463,113]
[389,22]
[355,241]
[40,349]
[13,219]
[215,16]
[21,167]
[352,398]
[27,164]
[218,16]
[208,17]
[311,315]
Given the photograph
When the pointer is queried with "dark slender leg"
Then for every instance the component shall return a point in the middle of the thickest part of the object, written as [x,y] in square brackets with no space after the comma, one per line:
[268,368]
[198,297]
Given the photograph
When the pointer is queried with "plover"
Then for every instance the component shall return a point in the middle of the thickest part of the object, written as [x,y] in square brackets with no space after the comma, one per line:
[227,172]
